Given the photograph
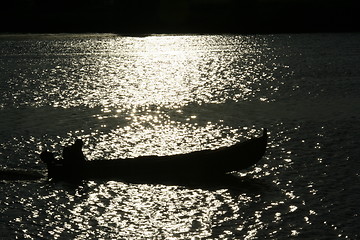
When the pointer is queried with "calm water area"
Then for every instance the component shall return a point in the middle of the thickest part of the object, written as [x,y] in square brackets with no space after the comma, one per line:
[166,94]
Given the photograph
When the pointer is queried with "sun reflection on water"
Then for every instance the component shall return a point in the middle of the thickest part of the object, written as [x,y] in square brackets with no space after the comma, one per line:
[158,95]
[112,87]
[144,87]
[125,72]
[147,211]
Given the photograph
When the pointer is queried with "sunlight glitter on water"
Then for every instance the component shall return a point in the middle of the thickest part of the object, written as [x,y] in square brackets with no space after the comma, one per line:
[143,83]
[163,95]
[110,85]
[123,73]
[161,71]
[142,211]
[153,139]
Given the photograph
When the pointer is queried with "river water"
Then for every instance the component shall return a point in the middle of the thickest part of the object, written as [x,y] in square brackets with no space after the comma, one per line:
[167,94]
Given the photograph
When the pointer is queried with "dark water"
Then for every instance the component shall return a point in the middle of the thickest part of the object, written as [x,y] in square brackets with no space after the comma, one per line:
[127,97]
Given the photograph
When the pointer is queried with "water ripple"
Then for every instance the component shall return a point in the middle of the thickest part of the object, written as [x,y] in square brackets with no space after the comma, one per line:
[129,96]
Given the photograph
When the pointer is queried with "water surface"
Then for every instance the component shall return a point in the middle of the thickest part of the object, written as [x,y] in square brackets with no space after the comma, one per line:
[164,94]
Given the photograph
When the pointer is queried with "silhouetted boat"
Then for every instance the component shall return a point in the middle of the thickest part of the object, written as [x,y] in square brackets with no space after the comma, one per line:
[206,164]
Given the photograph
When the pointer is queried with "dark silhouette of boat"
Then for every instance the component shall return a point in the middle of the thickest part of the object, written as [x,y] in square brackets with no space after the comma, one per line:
[200,165]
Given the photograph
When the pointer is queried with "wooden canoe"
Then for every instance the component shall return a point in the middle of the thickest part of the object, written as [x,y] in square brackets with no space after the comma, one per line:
[204,164]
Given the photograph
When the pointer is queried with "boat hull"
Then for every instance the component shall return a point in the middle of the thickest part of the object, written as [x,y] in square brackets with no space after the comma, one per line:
[204,164]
